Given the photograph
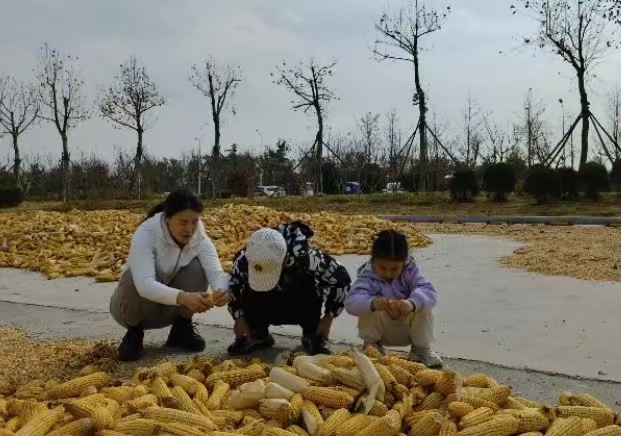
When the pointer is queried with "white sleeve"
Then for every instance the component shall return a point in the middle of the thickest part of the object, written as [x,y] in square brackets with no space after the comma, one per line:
[142,265]
[208,257]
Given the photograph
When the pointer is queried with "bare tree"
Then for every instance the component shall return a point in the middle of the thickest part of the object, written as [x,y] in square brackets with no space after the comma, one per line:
[63,100]
[369,129]
[219,85]
[19,109]
[393,142]
[128,102]
[473,120]
[497,139]
[307,81]
[401,38]
[614,117]
[578,32]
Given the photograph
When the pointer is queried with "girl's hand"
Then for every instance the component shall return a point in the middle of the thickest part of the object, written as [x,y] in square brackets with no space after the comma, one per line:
[399,309]
[380,304]
[221,298]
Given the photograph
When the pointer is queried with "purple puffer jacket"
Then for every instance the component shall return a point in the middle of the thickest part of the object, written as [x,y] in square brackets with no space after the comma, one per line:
[410,285]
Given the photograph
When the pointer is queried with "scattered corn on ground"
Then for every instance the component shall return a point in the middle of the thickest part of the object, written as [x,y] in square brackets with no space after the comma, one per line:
[347,394]
[96,243]
[587,253]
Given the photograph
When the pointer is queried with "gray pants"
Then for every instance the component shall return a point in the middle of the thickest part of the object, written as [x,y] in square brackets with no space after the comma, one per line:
[129,309]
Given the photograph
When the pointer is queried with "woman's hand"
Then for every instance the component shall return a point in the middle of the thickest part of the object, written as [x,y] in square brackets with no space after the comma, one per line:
[194,301]
[221,298]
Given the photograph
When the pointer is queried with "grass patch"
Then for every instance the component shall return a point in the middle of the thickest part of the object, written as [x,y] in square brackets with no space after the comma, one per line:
[374,204]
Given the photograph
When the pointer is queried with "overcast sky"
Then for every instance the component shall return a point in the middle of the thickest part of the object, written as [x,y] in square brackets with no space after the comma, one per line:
[168,37]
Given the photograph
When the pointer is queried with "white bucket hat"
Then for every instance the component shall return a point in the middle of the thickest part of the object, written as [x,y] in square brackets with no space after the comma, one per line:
[265,252]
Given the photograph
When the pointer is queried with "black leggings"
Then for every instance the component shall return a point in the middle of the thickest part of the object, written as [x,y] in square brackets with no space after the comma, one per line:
[299,306]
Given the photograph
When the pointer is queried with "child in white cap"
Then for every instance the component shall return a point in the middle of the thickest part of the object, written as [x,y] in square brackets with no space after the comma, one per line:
[279,280]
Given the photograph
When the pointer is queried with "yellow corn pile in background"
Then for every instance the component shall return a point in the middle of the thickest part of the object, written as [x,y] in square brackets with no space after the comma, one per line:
[348,395]
[96,243]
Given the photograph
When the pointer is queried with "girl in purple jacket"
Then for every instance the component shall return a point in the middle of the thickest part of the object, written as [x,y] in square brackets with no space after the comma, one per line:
[393,301]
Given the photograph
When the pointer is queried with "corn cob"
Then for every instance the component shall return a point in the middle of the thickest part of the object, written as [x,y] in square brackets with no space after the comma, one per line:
[603,417]
[120,393]
[273,431]
[479,416]
[531,420]
[328,397]
[314,372]
[201,393]
[532,433]
[226,417]
[81,427]
[389,425]
[112,433]
[296,405]
[40,424]
[477,381]
[165,369]
[498,426]
[566,398]
[137,427]
[143,402]
[12,424]
[511,403]
[296,429]
[479,402]
[373,352]
[349,377]
[236,377]
[160,389]
[408,365]
[336,419]
[326,412]
[274,408]
[427,425]
[495,395]
[354,425]
[401,375]
[609,430]
[589,400]
[312,418]
[448,428]
[255,428]
[72,388]
[102,418]
[287,380]
[458,409]
[341,361]
[588,425]
[163,414]
[386,375]
[433,401]
[274,390]
[29,409]
[378,409]
[527,402]
[565,427]
[196,374]
[177,429]
[187,383]
[427,377]
[371,377]
[220,389]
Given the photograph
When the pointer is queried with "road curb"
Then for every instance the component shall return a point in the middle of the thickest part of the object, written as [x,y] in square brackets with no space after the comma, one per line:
[509,219]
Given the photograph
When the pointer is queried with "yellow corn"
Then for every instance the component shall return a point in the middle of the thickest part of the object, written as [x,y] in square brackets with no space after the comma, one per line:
[458,409]
[565,427]
[81,427]
[609,430]
[185,402]
[532,433]
[236,377]
[401,375]
[349,377]
[428,425]
[112,433]
[312,417]
[531,420]
[163,414]
[226,417]
[276,423]
[449,383]
[137,427]
[477,381]
[448,428]
[336,419]
[341,361]
[220,389]
[102,418]
[410,366]
[603,417]
[527,402]
[143,402]
[498,426]
[389,425]
[74,387]
[165,369]
[40,424]
[255,428]
[433,401]
[196,374]
[589,400]
[496,395]
[296,429]
[354,425]
[372,352]
[295,408]
[378,409]
[12,424]
[478,416]
[274,408]
[160,389]
[588,425]
[328,397]
[178,429]
[386,375]
[201,393]
[566,398]
[187,383]
[203,410]
[29,409]
[511,403]
[120,393]
[479,402]
[427,377]
[274,431]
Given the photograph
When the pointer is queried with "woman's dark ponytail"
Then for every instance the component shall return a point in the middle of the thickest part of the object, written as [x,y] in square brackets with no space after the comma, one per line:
[177,201]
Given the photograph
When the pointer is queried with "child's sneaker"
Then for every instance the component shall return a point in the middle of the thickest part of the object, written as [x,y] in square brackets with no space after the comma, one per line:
[426,356]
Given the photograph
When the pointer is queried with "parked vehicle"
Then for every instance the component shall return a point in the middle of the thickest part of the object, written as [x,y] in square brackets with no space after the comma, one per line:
[270,191]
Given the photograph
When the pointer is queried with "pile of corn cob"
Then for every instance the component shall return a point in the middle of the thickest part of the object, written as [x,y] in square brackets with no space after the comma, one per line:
[96,243]
[350,394]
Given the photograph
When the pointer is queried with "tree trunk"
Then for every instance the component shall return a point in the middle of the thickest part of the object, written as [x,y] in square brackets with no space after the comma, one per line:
[215,157]
[422,122]
[66,162]
[319,153]
[137,163]
[17,161]
[584,108]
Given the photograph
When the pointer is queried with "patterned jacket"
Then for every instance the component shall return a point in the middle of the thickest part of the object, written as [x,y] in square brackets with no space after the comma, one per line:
[331,278]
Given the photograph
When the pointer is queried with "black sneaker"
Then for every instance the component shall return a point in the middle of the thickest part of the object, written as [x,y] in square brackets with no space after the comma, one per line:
[131,347]
[184,336]
[315,345]
[250,345]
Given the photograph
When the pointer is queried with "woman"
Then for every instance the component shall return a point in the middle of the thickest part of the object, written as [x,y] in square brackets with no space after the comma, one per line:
[279,280]
[170,266]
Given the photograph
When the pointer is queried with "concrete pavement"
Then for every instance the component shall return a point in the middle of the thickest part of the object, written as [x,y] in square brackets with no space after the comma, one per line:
[486,312]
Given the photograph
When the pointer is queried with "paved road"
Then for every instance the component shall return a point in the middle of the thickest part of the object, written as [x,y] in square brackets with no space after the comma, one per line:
[50,323]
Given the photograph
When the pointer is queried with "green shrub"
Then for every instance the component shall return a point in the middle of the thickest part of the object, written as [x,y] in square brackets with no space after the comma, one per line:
[499,180]
[569,183]
[464,186]
[542,183]
[593,179]
[10,197]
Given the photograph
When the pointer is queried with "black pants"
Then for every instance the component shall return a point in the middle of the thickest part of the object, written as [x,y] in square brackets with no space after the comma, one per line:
[297,306]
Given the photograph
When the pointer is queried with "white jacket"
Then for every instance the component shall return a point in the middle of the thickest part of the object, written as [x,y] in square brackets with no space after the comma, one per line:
[155,258]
